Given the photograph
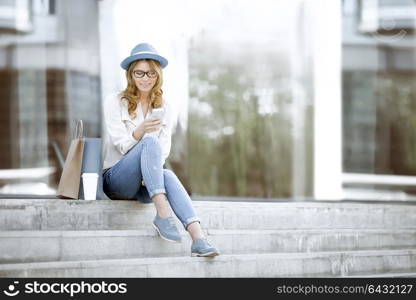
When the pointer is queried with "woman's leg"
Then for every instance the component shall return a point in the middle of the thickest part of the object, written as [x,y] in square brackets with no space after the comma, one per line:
[195,231]
[151,165]
[181,204]
[122,180]
[143,161]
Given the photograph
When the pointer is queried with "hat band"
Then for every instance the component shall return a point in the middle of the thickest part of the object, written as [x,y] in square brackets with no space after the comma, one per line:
[145,52]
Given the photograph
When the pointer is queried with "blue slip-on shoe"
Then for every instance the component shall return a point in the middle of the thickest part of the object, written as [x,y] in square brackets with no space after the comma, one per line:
[201,247]
[167,229]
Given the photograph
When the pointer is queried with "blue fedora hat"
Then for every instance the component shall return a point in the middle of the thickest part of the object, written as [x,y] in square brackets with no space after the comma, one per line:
[143,51]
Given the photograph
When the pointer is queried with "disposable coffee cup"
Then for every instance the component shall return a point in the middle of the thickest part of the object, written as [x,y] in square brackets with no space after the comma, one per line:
[90,180]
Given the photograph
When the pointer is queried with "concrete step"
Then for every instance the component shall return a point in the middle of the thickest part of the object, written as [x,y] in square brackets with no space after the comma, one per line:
[315,264]
[50,214]
[386,275]
[38,246]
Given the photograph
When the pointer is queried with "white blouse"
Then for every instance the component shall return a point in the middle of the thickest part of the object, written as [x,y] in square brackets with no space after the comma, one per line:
[118,130]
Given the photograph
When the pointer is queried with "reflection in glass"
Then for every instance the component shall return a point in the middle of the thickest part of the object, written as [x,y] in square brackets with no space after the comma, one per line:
[48,79]
[379,93]
[240,134]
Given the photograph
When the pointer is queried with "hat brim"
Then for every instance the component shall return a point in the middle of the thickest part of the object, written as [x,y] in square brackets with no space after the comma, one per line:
[127,61]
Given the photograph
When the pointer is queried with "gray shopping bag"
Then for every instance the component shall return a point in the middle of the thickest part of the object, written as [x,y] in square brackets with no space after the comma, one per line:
[92,163]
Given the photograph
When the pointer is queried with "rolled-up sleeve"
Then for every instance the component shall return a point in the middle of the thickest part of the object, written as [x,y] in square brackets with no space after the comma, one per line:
[165,136]
[119,136]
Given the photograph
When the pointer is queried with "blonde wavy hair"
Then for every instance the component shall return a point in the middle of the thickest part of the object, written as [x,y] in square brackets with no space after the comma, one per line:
[132,93]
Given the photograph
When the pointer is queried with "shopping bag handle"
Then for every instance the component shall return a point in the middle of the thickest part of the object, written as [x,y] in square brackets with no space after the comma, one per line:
[79,129]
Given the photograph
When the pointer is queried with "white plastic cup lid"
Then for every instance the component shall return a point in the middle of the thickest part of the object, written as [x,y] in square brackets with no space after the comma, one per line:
[89,175]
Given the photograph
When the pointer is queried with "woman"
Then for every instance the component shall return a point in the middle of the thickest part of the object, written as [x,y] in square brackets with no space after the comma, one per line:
[137,145]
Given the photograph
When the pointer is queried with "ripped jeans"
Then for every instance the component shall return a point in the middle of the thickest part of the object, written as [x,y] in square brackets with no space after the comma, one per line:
[143,162]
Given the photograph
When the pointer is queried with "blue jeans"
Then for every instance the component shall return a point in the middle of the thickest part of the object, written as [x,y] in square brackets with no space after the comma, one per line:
[144,162]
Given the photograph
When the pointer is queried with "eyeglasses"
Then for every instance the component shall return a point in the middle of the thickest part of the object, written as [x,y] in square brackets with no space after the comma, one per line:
[140,74]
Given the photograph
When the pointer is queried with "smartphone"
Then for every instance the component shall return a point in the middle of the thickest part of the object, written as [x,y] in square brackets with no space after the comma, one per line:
[157,113]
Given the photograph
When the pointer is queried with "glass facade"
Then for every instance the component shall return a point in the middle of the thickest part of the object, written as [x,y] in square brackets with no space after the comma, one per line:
[243,87]
[379,93]
[250,85]
[240,78]
[49,74]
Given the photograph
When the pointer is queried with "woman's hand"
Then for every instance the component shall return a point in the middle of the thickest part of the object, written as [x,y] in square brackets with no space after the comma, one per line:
[147,126]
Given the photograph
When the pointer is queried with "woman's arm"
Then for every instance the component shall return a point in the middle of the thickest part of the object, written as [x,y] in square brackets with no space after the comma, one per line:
[147,126]
[116,129]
